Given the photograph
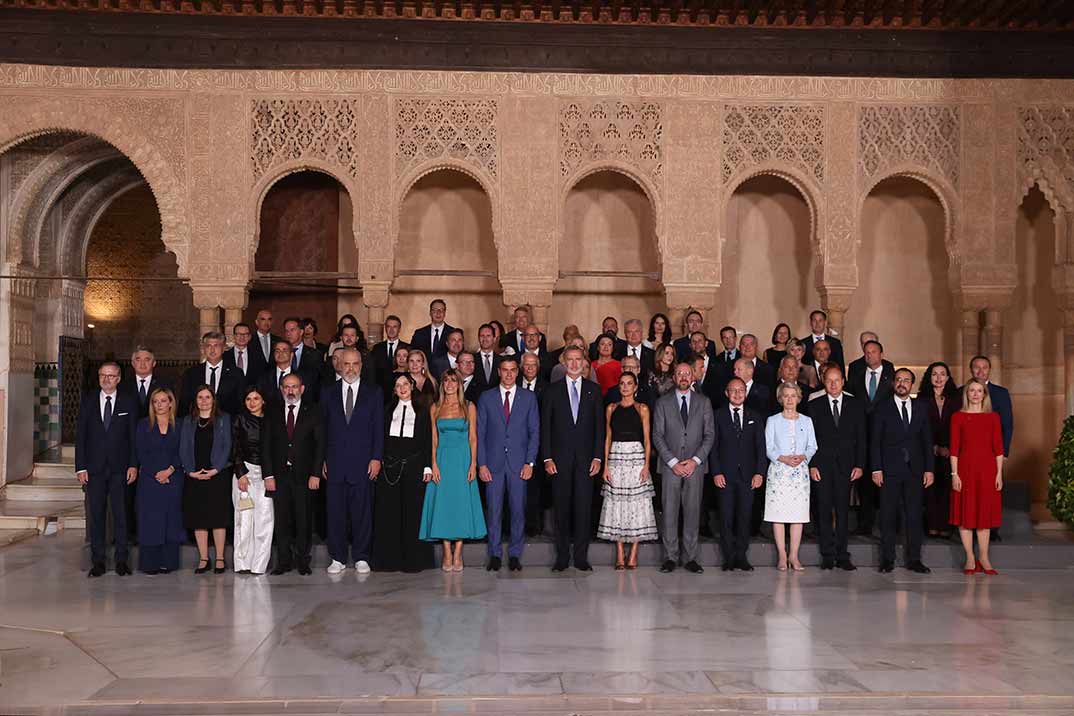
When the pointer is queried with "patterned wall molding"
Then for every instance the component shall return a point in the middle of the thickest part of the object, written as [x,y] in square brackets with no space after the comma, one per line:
[289,130]
[595,133]
[785,134]
[1045,152]
[926,136]
[432,130]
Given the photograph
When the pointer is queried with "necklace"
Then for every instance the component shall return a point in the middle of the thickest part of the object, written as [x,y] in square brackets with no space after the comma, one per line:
[203,423]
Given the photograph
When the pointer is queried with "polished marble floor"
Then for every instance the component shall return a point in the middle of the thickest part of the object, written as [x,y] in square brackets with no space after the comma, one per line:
[434,639]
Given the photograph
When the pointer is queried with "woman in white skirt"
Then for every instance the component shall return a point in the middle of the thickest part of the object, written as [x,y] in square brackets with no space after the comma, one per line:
[791,444]
[627,515]
[254,517]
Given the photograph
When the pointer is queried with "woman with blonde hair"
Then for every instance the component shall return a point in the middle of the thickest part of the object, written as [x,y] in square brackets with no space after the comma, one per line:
[452,511]
[159,499]
[424,383]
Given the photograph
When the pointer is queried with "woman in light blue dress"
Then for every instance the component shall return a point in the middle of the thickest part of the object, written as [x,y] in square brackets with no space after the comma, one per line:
[452,510]
[791,444]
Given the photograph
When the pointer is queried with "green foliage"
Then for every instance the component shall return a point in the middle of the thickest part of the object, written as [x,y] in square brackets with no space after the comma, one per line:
[1061,476]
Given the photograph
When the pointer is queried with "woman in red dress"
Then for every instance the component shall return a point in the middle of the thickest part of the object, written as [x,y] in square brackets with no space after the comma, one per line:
[976,473]
[606,368]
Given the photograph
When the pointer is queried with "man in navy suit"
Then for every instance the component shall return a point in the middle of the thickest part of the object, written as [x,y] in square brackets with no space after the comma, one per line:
[818,324]
[516,339]
[902,464]
[226,381]
[695,323]
[353,413]
[737,463]
[105,462]
[572,428]
[633,329]
[431,338]
[872,384]
[242,356]
[508,435]
[263,339]
[981,369]
[306,361]
[487,358]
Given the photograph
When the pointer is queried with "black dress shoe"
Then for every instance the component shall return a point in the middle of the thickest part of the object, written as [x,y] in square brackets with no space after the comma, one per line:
[494,564]
[559,567]
[693,566]
[827,563]
[846,565]
[303,569]
[886,567]
[280,569]
[918,567]
[583,566]
[152,572]
[164,570]
[122,569]
[514,564]
[218,569]
[96,570]
[727,566]
[202,570]
[744,565]
[667,566]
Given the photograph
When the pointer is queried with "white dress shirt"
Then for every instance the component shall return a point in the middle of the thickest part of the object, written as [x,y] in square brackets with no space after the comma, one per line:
[636,352]
[343,390]
[280,373]
[402,427]
[209,372]
[147,380]
[265,339]
[678,406]
[113,397]
[909,407]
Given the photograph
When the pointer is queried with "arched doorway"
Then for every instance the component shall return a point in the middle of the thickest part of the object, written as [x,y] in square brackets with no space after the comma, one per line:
[609,259]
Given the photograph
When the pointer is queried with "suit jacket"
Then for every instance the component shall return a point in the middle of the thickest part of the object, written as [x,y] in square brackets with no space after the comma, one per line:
[439,365]
[940,423]
[474,390]
[348,447]
[381,365]
[101,451]
[510,339]
[230,384]
[857,368]
[423,340]
[563,439]
[765,374]
[675,441]
[505,446]
[835,343]
[1001,403]
[479,369]
[721,360]
[130,387]
[256,351]
[895,449]
[270,386]
[539,387]
[254,365]
[682,348]
[759,398]
[220,457]
[803,404]
[735,455]
[839,449]
[300,457]
[885,388]
[648,360]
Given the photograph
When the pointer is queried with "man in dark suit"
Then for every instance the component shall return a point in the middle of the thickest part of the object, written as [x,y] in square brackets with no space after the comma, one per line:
[516,339]
[643,394]
[729,350]
[839,424]
[758,396]
[296,440]
[695,322]
[570,332]
[822,353]
[487,357]
[241,354]
[633,330]
[902,463]
[382,356]
[533,347]
[857,365]
[737,463]
[981,369]
[538,491]
[264,339]
[353,414]
[105,463]
[272,379]
[818,323]
[788,373]
[469,382]
[508,437]
[872,386]
[431,338]
[572,431]
[608,327]
[304,360]
[706,377]
[139,388]
[762,372]
[454,343]
[226,381]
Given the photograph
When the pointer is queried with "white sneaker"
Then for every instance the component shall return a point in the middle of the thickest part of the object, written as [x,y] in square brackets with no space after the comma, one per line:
[336,567]
[362,567]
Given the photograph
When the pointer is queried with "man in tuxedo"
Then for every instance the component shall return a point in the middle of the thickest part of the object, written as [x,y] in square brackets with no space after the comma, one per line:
[758,396]
[840,460]
[762,372]
[788,373]
[873,386]
[296,444]
[981,369]
[431,338]
[508,437]
[105,463]
[533,347]
[516,339]
[683,434]
[572,431]
[241,354]
[737,463]
[139,388]
[487,357]
[382,357]
[353,415]
[447,361]
[902,463]
[264,340]
[537,489]
[694,322]
[226,381]
[818,323]
[633,329]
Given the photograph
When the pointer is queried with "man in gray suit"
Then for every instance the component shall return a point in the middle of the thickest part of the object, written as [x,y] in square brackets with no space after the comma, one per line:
[683,432]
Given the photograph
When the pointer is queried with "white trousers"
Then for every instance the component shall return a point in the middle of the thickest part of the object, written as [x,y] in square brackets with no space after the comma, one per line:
[253,528]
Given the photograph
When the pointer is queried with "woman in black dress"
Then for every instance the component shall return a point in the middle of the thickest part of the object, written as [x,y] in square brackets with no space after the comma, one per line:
[205,451]
[942,399]
[400,493]
[425,390]
[780,336]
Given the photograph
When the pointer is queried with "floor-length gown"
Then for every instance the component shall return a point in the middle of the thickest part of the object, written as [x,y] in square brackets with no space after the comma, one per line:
[452,507]
[399,500]
[160,506]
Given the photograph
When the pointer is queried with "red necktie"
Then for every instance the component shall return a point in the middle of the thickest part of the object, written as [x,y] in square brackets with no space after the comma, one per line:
[291,422]
[507,406]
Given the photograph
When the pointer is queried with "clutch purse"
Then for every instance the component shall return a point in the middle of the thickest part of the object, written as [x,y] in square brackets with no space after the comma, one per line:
[245,502]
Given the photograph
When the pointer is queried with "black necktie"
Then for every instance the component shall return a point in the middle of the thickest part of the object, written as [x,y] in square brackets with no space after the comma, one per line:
[728,354]
[283,374]
[391,351]
[684,411]
[835,412]
[905,415]
[348,408]
[436,338]
[402,422]
[212,379]
[738,422]
[141,391]
[107,412]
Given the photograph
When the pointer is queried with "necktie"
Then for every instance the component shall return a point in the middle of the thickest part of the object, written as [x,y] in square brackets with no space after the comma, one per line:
[835,412]
[436,338]
[349,407]
[488,367]
[684,412]
[141,391]
[290,422]
[402,422]
[391,352]
[107,412]
[905,415]
[738,421]
[283,374]
[575,399]
[240,361]
[634,352]
[264,345]
[728,356]
[212,379]
[294,360]
[507,406]
[872,384]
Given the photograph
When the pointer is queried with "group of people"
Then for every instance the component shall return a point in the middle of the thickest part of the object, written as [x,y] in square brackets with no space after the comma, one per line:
[402,445]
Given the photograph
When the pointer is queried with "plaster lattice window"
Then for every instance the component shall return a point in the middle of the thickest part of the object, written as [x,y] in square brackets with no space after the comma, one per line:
[627,132]
[755,134]
[927,136]
[288,130]
[463,130]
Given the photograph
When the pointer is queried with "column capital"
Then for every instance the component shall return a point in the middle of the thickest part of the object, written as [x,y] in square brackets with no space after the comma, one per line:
[527,291]
[836,298]
[220,295]
[684,296]
[984,298]
[376,292]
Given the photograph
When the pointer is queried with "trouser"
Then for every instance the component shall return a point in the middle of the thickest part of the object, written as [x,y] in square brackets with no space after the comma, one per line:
[293,513]
[572,490]
[901,492]
[130,504]
[108,489]
[832,494]
[513,487]
[535,500]
[350,504]
[159,556]
[684,493]
[253,527]
[736,512]
[868,495]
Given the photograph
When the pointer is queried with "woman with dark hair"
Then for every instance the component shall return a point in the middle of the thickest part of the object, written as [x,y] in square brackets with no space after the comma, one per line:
[662,376]
[159,498]
[659,331]
[253,485]
[347,319]
[498,330]
[309,336]
[941,399]
[606,369]
[780,335]
[205,452]
[400,493]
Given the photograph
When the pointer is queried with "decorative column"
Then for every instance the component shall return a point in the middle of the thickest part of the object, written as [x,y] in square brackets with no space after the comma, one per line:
[993,342]
[375,295]
[537,293]
[971,341]
[1063,280]
[835,301]
[234,300]
[208,304]
[683,298]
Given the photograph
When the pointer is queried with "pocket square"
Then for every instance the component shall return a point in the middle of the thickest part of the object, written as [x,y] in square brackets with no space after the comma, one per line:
[750,422]
[120,415]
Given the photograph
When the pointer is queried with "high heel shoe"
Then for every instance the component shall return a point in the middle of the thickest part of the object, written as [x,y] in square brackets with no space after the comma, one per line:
[989,571]
[203,566]
[797,566]
[781,567]
[220,569]
[971,570]
[448,567]
[620,566]
[978,569]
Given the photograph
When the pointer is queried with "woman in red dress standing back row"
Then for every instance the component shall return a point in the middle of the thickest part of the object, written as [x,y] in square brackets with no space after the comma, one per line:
[976,473]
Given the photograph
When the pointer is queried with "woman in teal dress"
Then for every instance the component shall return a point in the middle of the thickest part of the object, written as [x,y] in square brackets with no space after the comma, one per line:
[452,511]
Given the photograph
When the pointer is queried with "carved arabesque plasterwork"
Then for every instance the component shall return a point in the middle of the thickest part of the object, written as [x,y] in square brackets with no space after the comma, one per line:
[926,136]
[288,129]
[788,134]
[1045,151]
[596,132]
[461,130]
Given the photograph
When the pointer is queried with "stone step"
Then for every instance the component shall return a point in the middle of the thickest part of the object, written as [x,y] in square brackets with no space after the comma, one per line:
[36,514]
[63,470]
[44,489]
[18,534]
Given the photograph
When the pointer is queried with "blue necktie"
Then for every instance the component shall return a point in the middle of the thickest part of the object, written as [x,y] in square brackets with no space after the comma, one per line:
[872,385]
[574,400]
